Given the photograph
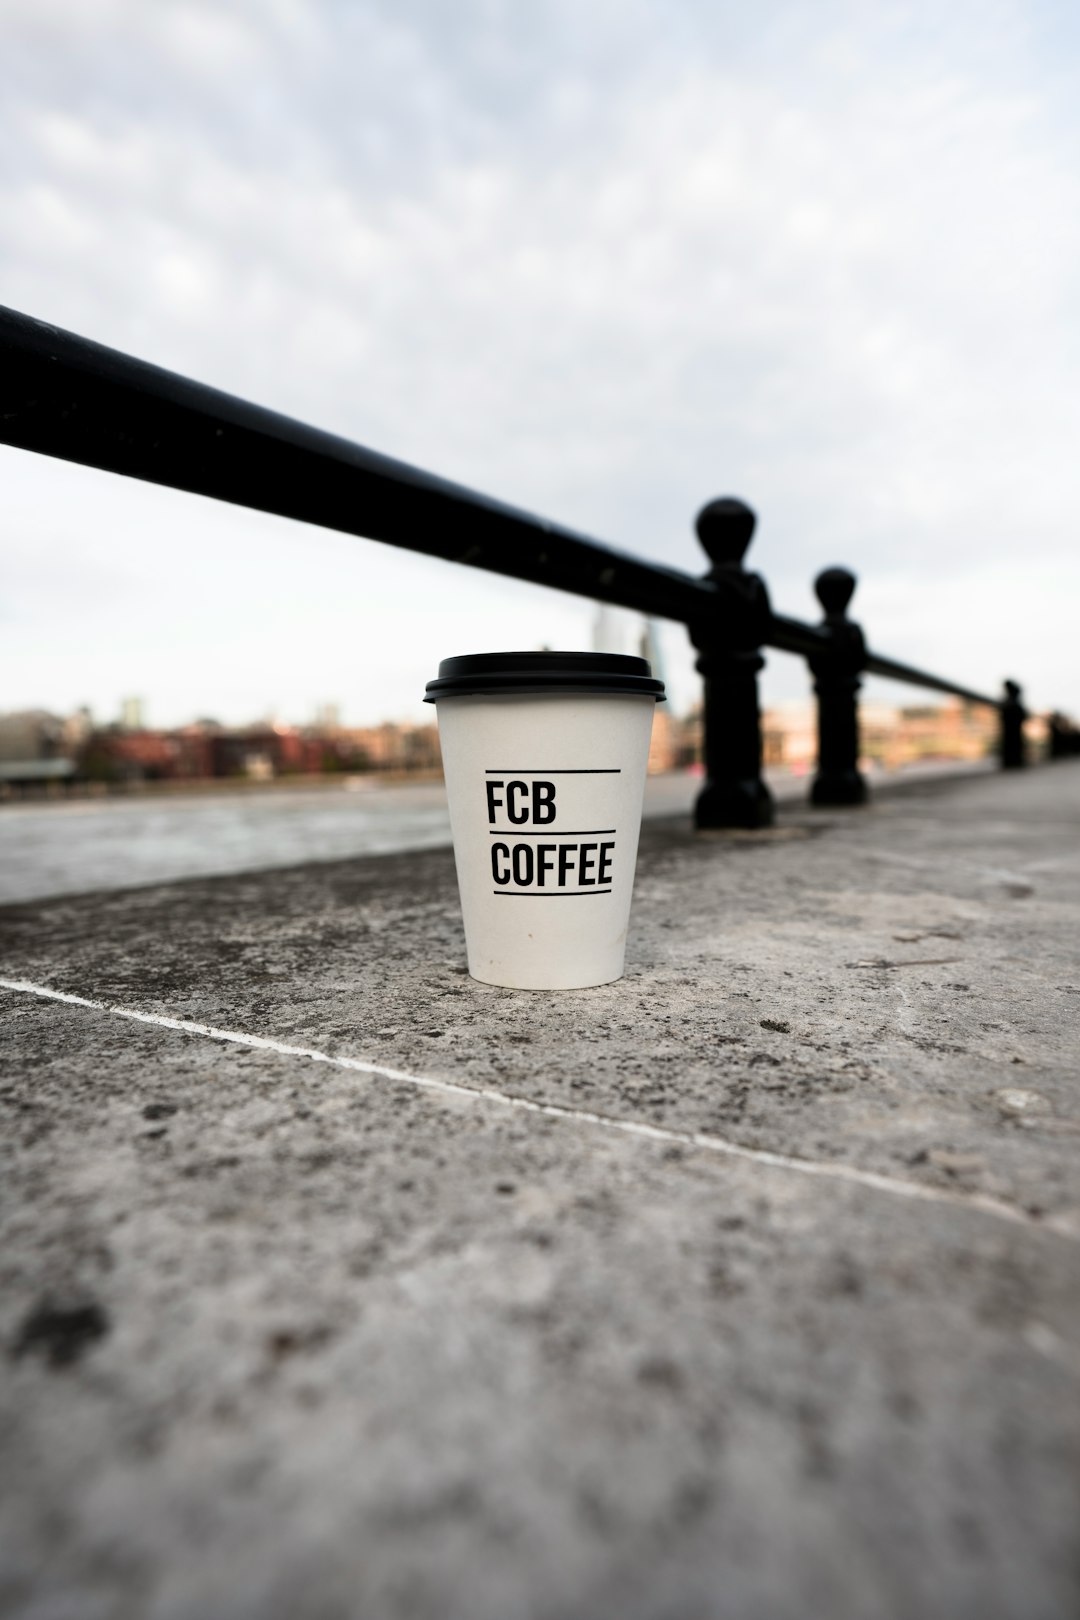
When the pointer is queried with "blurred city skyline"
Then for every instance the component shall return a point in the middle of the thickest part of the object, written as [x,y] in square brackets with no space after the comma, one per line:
[56,756]
[602,262]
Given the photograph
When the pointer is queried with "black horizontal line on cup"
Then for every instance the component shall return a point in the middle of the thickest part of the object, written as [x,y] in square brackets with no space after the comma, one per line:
[547,894]
[545,832]
[601,771]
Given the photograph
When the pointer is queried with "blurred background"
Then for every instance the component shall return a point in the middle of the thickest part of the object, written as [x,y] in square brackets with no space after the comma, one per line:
[604,262]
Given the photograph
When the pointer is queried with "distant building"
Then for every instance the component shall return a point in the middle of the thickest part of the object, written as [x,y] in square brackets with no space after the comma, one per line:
[31,734]
[394,747]
[789,737]
[949,730]
[889,736]
[33,748]
[262,752]
[117,755]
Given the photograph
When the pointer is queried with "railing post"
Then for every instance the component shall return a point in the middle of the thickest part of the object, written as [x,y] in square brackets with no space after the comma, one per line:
[836,682]
[1013,715]
[1061,742]
[729,658]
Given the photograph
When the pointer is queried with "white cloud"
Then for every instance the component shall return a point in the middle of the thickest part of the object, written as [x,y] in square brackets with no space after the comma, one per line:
[604,262]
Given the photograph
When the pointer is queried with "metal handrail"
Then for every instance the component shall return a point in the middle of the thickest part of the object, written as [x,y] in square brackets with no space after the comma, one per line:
[64,396]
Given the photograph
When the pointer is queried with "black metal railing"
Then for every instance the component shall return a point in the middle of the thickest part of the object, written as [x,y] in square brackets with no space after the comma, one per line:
[63,396]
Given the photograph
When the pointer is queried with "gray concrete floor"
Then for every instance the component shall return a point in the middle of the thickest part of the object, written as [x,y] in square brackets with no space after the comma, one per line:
[749,1286]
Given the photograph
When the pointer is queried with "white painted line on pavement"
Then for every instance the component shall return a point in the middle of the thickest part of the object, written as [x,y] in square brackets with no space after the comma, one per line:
[981,1203]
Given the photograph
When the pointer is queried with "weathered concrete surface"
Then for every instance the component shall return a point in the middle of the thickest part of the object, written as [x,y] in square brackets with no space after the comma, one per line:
[284,1339]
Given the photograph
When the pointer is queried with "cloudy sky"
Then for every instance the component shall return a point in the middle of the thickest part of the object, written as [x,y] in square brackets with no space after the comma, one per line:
[601,260]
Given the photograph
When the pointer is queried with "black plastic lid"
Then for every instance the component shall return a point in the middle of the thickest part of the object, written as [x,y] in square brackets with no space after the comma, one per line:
[571,673]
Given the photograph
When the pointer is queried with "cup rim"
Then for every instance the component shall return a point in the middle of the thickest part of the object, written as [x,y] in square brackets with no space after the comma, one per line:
[568,674]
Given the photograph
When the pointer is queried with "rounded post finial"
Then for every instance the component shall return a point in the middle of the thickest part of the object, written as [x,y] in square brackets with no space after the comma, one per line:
[834,588]
[1012,691]
[725,528]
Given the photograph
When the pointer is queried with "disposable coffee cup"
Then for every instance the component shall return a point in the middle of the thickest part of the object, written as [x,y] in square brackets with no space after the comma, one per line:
[545,757]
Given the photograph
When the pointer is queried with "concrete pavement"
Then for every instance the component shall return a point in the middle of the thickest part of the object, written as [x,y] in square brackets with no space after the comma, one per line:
[749,1286]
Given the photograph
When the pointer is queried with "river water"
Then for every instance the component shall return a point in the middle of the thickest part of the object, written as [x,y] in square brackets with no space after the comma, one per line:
[81,845]
[75,846]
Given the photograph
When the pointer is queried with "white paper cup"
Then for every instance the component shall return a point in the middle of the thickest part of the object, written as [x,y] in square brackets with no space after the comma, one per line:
[545,757]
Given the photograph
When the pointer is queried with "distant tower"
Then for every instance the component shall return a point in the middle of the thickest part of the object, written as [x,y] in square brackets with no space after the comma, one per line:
[131,714]
[615,629]
[651,649]
[328,717]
